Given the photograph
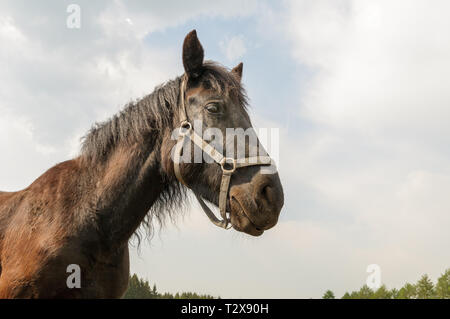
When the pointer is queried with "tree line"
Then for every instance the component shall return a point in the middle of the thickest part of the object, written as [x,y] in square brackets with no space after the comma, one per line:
[423,289]
[140,289]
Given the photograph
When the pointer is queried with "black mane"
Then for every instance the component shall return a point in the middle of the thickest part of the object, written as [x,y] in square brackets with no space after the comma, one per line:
[154,112]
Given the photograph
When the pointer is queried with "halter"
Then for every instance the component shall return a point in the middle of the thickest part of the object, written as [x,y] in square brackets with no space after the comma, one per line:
[228,165]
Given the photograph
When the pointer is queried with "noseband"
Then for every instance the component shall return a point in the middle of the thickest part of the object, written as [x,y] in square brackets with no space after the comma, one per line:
[227,164]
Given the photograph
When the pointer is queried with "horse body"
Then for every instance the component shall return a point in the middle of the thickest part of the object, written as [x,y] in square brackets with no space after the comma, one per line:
[48,226]
[75,213]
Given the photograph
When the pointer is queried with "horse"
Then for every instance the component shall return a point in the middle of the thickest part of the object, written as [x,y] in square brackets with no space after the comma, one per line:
[85,210]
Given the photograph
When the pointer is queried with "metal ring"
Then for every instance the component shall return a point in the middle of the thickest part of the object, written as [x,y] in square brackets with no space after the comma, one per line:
[185,128]
[225,161]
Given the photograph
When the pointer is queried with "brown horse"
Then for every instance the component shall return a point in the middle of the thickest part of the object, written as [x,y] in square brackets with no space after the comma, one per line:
[84,211]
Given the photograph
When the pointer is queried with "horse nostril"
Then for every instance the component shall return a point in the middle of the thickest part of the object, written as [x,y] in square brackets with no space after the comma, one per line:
[264,192]
[268,195]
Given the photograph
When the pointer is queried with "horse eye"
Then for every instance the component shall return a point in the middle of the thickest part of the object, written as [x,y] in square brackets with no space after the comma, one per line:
[213,108]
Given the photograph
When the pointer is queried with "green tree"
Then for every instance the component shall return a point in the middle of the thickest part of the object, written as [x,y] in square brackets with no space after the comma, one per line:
[354,295]
[138,289]
[346,296]
[365,293]
[408,291]
[382,293]
[443,286]
[425,288]
[395,293]
[328,295]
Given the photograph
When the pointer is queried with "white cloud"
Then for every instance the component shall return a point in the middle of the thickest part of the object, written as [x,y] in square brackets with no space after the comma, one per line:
[234,48]
[379,65]
[9,31]
[377,154]
[17,146]
[60,81]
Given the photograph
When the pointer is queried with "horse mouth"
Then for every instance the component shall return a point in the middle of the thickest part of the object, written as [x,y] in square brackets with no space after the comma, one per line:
[241,221]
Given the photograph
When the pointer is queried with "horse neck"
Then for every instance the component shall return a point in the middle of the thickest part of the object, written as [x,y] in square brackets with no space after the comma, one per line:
[127,185]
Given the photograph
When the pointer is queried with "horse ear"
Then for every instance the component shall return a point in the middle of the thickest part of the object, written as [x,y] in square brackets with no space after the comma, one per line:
[192,55]
[237,70]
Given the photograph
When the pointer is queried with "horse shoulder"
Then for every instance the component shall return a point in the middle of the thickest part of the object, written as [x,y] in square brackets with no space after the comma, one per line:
[45,208]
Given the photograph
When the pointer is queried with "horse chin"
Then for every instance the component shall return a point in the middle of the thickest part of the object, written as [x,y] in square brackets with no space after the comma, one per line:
[240,220]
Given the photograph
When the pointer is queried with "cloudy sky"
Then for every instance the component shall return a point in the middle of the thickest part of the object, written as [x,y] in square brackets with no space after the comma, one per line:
[358,89]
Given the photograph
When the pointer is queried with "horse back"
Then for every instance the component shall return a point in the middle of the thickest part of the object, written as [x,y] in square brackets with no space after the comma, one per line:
[4,211]
[5,215]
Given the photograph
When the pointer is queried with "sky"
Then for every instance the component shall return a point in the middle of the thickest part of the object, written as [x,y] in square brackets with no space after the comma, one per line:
[357,88]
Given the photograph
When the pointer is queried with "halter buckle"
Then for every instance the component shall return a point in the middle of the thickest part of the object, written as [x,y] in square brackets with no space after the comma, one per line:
[185,128]
[227,161]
